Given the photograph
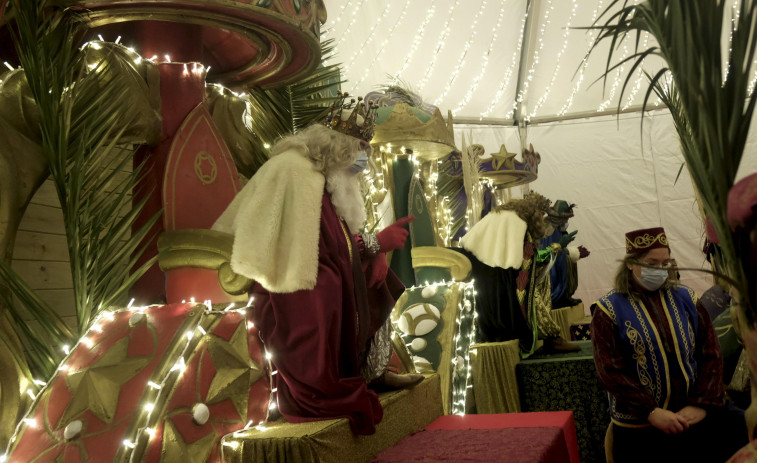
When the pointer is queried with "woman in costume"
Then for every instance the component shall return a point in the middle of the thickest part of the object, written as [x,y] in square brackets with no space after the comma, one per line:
[659,358]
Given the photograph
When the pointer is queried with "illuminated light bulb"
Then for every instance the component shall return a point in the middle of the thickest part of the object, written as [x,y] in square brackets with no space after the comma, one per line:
[39,382]
[250,325]
[63,367]
[149,407]
[190,335]
[268,356]
[118,39]
[154,385]
[101,38]
[274,372]
[272,405]
[249,424]
[129,444]
[130,303]
[168,58]
[66,349]
[202,330]
[151,432]
[192,300]
[30,422]
[266,145]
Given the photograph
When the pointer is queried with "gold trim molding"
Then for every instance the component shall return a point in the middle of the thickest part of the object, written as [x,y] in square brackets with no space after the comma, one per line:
[201,248]
[435,256]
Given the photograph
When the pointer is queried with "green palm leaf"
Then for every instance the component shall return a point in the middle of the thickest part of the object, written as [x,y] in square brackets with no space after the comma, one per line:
[273,113]
[87,134]
[712,115]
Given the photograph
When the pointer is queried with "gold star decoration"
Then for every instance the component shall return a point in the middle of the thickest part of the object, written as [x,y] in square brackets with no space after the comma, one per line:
[96,388]
[174,449]
[235,370]
[503,157]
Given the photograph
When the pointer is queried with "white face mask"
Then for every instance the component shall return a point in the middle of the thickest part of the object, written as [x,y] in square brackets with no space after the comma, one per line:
[653,278]
[360,163]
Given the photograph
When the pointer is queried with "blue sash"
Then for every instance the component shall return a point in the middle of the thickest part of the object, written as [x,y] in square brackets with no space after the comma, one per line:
[643,338]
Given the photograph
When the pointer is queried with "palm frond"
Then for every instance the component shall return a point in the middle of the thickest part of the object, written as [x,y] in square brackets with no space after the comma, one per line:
[708,99]
[88,124]
[274,113]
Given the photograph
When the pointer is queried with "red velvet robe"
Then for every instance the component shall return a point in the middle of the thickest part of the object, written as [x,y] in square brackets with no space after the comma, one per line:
[318,338]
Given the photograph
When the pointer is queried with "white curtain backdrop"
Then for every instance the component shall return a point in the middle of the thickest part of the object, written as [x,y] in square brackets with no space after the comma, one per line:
[621,179]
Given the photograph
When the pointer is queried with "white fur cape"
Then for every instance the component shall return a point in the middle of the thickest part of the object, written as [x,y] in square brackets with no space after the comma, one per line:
[497,240]
[275,221]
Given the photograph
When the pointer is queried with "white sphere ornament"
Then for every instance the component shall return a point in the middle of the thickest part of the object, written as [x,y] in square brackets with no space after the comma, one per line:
[200,413]
[428,292]
[136,319]
[419,319]
[418,344]
[73,430]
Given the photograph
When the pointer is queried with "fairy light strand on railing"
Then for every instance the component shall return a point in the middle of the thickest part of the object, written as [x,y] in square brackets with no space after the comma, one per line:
[481,72]
[584,63]
[508,74]
[365,73]
[565,36]
[360,50]
[523,92]
[463,55]
[439,46]
[416,41]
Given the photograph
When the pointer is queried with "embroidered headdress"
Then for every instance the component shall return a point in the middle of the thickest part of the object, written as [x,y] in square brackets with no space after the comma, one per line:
[343,117]
[641,241]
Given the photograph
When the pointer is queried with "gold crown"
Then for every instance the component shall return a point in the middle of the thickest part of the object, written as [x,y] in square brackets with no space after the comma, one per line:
[350,126]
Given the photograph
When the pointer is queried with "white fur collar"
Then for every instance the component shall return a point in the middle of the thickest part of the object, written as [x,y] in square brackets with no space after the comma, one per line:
[275,221]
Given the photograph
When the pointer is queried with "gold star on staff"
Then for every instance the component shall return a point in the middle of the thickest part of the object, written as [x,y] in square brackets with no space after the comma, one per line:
[96,388]
[503,157]
[235,370]
[174,449]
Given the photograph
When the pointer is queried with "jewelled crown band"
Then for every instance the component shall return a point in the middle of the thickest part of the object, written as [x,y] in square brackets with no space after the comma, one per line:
[343,116]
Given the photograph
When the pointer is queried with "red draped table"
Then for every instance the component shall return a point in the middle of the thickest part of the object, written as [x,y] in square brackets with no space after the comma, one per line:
[548,437]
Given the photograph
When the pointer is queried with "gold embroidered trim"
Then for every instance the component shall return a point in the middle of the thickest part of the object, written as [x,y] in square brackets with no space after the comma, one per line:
[639,354]
[347,237]
[655,387]
[646,240]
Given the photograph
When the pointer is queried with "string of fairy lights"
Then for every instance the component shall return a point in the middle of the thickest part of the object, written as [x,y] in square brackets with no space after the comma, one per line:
[382,46]
[462,59]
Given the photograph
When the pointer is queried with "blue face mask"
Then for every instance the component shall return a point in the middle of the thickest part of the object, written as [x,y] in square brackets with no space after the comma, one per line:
[653,278]
[360,163]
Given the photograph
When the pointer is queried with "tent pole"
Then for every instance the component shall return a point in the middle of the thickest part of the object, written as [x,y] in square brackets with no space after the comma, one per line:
[549,119]
[533,9]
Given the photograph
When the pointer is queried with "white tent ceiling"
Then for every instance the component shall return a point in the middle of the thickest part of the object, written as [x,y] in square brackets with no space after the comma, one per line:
[478,57]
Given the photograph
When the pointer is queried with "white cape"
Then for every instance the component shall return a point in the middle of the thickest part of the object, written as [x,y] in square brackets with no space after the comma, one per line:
[497,240]
[276,221]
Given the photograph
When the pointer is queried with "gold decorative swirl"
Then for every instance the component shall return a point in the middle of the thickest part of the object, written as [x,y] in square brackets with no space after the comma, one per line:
[646,240]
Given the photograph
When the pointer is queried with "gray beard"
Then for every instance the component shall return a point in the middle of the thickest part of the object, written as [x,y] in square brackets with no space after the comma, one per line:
[347,198]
